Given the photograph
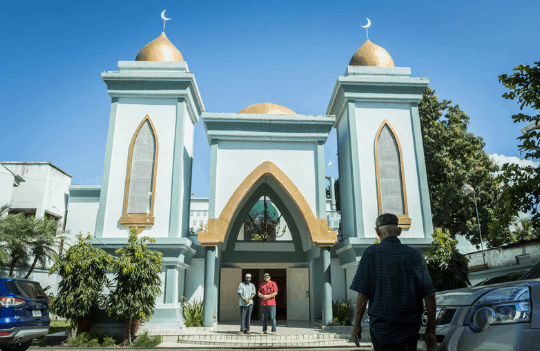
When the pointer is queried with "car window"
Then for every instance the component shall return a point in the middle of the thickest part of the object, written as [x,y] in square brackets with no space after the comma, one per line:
[29,290]
[534,273]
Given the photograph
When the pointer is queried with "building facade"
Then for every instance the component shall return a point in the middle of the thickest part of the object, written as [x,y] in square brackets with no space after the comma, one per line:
[264,154]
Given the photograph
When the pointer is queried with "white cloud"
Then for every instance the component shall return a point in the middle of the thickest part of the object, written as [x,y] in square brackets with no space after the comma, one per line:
[502,159]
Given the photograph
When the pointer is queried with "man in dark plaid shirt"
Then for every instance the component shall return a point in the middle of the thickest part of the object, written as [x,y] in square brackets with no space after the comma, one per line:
[394,278]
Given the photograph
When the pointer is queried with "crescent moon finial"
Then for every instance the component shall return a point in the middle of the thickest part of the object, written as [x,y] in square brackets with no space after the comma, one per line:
[165,19]
[366,27]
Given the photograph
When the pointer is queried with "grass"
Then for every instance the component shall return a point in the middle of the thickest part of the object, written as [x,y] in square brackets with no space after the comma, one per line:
[58,326]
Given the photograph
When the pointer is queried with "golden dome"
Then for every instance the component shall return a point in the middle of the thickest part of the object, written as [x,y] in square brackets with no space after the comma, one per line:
[268,108]
[371,54]
[159,49]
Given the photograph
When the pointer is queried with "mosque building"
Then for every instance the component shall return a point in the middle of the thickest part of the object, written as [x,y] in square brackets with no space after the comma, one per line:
[265,159]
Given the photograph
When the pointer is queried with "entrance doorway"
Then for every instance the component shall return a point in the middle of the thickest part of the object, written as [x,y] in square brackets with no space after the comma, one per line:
[292,300]
[280,277]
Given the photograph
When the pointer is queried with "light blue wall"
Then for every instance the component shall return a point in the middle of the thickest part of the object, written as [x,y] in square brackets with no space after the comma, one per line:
[83,211]
[100,220]
[345,182]
[421,169]
[178,181]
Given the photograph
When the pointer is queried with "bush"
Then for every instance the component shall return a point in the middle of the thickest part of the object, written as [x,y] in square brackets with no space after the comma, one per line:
[448,268]
[137,278]
[83,271]
[192,313]
[146,341]
[342,312]
[93,340]
[108,341]
[85,340]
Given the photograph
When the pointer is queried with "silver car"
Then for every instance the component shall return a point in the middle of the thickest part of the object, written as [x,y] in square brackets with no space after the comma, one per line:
[496,317]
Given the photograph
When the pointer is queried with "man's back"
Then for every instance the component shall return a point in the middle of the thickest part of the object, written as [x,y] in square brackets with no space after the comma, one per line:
[394,278]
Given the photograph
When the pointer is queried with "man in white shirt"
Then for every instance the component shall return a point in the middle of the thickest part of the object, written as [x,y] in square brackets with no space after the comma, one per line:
[246,291]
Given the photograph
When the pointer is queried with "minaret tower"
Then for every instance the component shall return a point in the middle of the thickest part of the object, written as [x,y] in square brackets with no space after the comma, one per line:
[381,156]
[148,159]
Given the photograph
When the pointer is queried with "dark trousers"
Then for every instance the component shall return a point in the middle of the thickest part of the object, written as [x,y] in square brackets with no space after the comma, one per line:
[245,317]
[407,345]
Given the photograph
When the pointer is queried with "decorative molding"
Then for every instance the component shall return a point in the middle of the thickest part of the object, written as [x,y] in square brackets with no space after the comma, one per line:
[218,227]
[375,84]
[140,220]
[404,219]
[264,128]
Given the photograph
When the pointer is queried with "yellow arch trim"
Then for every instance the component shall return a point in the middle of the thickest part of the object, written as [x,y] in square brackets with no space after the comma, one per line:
[217,227]
[139,220]
[404,219]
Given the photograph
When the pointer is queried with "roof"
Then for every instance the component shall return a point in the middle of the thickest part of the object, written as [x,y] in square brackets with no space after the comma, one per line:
[36,163]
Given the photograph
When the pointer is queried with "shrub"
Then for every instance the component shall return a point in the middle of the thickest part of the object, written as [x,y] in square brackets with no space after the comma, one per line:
[192,313]
[448,268]
[342,312]
[137,280]
[108,341]
[85,340]
[82,269]
[146,341]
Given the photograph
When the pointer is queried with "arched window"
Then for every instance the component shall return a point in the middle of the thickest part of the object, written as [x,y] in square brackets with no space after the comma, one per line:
[141,173]
[391,194]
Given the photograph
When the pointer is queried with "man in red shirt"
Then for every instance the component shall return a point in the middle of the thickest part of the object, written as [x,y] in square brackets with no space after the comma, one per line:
[267,292]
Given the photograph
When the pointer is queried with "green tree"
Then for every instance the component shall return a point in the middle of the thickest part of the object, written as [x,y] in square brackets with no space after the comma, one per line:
[83,271]
[43,240]
[455,157]
[137,280]
[525,230]
[447,267]
[15,232]
[4,253]
[521,189]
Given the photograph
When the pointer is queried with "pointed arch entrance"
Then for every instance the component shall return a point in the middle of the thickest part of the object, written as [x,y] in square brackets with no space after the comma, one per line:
[220,228]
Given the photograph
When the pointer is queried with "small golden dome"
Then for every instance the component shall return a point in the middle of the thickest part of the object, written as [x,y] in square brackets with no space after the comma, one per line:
[159,49]
[371,54]
[268,108]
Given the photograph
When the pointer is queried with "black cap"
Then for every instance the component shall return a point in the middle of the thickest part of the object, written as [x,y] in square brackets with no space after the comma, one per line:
[386,219]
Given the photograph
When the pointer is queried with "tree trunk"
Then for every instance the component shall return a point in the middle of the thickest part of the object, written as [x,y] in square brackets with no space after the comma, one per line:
[12,267]
[73,331]
[127,332]
[32,267]
[84,325]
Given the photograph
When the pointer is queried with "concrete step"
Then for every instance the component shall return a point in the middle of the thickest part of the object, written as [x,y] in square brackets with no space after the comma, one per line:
[268,340]
[260,337]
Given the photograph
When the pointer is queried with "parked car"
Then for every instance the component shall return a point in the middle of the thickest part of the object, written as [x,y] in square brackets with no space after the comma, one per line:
[503,316]
[24,313]
[508,277]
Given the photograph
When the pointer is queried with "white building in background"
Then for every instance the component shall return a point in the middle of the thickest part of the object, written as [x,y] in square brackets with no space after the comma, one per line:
[38,189]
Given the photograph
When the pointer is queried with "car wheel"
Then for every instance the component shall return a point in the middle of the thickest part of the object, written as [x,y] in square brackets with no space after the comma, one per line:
[17,347]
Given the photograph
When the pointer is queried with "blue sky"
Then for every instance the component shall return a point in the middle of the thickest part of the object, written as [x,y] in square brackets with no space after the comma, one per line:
[55,106]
